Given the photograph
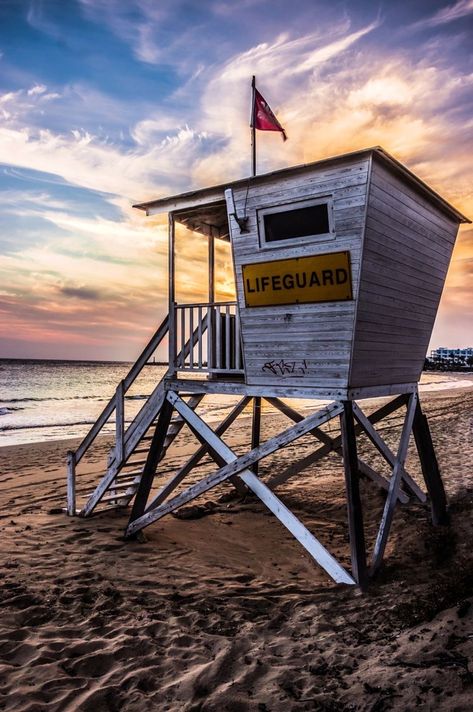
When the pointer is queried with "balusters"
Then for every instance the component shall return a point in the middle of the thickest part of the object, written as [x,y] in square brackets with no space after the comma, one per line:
[199,338]
[218,337]
[222,323]
[228,363]
[183,337]
[191,338]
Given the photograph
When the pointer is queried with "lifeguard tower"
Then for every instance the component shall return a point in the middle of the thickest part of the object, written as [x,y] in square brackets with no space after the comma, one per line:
[339,267]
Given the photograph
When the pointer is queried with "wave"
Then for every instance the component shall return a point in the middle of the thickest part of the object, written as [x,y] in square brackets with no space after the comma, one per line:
[52,426]
[32,399]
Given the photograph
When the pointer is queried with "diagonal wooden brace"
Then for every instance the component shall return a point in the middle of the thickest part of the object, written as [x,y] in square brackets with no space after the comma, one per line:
[334,445]
[386,452]
[394,485]
[313,457]
[193,461]
[239,465]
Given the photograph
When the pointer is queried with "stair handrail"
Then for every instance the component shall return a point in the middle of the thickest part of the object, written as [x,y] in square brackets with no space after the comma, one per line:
[129,432]
[123,387]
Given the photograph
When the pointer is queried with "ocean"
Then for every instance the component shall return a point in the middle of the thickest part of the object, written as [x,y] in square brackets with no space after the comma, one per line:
[51,400]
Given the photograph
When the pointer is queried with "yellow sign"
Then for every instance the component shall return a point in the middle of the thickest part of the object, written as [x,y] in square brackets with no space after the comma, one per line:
[300,280]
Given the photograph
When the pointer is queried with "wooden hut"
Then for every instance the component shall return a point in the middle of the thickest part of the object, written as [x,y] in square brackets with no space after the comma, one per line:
[339,268]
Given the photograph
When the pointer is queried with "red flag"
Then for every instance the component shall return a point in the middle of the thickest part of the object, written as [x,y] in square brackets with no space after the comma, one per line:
[262,116]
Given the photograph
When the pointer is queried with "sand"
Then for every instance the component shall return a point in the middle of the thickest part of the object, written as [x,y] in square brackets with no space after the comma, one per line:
[226,611]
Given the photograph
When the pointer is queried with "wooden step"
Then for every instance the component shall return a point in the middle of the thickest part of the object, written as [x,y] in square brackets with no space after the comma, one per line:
[124,483]
[113,497]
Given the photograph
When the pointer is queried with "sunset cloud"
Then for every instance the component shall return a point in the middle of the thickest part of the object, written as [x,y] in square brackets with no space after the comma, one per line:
[123,102]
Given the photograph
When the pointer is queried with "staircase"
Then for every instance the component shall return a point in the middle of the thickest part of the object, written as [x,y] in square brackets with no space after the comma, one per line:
[121,481]
[210,330]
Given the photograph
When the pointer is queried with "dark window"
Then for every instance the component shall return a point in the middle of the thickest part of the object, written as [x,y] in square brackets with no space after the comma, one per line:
[290,224]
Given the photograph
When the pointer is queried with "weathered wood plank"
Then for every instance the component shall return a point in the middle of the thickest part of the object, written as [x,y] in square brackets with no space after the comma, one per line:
[193,461]
[71,483]
[394,485]
[354,508]
[430,467]
[155,452]
[386,451]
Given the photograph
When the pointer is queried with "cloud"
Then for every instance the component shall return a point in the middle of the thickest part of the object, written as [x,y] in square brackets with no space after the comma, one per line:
[82,293]
[334,90]
[450,13]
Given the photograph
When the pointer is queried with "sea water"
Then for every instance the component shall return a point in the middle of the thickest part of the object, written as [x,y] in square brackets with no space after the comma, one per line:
[50,400]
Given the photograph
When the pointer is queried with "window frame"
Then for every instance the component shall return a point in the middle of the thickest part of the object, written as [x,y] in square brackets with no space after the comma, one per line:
[289,207]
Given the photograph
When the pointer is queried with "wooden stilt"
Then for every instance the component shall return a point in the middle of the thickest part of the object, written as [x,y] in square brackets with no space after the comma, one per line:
[355,513]
[149,471]
[394,485]
[256,428]
[430,468]
[71,483]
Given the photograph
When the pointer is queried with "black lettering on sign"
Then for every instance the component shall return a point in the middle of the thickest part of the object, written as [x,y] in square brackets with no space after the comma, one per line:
[301,280]
[327,276]
[298,280]
[342,275]
[288,281]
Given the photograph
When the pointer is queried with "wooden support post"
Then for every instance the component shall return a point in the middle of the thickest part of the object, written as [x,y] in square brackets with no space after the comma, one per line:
[71,483]
[154,454]
[430,468]
[256,428]
[355,512]
[119,422]
[394,485]
[172,295]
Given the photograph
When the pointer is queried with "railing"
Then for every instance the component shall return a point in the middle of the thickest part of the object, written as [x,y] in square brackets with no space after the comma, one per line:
[207,338]
[116,403]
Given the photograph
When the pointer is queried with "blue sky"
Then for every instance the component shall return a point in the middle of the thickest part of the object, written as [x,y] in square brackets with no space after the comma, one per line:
[107,102]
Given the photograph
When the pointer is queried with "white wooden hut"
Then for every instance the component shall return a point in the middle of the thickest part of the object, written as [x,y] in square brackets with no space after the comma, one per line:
[339,269]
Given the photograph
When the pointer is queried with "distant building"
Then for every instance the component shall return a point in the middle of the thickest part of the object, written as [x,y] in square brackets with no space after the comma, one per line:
[443,353]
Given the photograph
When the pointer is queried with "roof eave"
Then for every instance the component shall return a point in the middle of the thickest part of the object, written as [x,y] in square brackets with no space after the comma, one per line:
[215,193]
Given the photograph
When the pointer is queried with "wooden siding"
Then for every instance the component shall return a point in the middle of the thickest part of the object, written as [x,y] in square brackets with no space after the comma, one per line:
[318,334]
[407,248]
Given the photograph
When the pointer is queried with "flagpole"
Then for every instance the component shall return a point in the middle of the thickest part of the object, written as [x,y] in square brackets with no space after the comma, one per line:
[253,129]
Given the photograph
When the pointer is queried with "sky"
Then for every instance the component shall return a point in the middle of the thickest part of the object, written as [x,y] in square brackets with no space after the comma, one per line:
[105,103]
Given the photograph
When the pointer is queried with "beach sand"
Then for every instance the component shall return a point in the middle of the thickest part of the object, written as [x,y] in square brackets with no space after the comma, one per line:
[226,611]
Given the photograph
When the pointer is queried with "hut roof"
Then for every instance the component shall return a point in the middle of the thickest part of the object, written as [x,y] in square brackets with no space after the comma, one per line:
[215,194]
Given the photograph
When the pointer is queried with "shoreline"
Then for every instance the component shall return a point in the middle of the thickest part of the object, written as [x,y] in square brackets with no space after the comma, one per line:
[463,381]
